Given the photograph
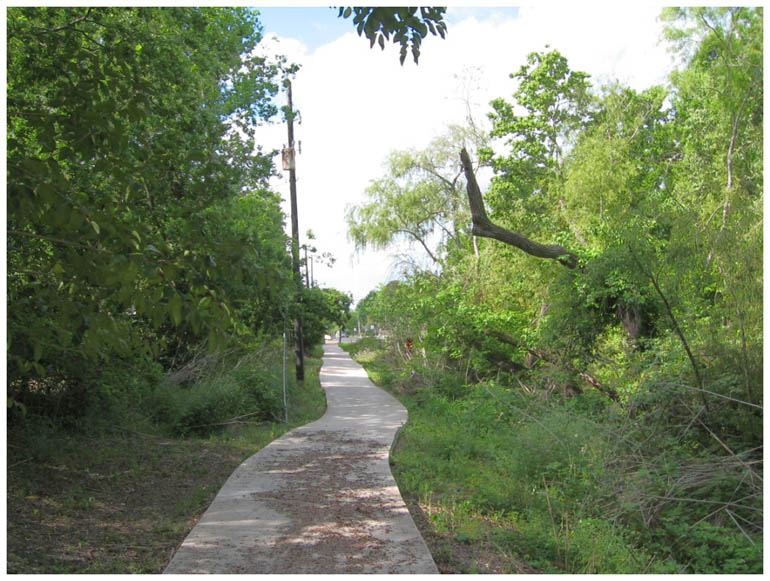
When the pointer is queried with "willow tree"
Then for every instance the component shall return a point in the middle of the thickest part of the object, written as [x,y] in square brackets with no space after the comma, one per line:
[420,200]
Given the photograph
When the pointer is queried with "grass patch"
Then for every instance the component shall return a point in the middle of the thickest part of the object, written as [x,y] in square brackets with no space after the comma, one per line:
[121,501]
[369,352]
[501,482]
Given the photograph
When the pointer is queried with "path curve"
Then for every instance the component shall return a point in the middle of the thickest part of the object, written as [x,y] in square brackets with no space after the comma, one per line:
[319,499]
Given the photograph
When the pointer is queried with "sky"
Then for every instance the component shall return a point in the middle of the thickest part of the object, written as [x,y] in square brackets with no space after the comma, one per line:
[358,104]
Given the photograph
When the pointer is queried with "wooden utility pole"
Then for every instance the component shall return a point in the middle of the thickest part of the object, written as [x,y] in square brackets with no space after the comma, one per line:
[299,352]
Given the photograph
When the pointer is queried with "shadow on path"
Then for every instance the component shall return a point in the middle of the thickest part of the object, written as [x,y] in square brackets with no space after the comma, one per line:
[320,499]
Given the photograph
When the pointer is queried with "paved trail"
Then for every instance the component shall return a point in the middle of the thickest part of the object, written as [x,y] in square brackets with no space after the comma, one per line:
[320,499]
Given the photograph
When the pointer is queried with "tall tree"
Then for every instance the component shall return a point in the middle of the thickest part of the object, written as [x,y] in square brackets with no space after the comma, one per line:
[718,179]
[555,103]
[123,154]
[420,200]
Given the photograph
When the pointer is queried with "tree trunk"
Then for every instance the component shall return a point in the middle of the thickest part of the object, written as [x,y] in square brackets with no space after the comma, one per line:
[483,226]
[540,354]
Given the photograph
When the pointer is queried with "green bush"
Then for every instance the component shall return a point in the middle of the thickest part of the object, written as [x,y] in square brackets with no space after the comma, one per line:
[705,547]
[252,389]
[140,397]
[597,546]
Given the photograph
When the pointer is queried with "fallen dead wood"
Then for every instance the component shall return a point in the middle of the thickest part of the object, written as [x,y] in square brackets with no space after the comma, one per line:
[542,355]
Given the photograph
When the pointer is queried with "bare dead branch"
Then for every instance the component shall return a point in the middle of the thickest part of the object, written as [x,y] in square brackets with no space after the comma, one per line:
[483,226]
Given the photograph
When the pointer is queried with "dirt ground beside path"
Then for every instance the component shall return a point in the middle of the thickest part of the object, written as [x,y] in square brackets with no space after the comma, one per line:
[110,505]
[120,501]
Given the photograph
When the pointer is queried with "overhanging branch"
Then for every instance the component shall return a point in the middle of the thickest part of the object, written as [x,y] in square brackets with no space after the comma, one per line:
[483,226]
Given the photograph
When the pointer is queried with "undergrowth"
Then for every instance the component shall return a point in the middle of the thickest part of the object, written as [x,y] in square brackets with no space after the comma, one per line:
[559,483]
[116,488]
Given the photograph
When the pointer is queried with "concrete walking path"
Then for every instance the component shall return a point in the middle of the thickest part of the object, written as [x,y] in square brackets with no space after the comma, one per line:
[319,499]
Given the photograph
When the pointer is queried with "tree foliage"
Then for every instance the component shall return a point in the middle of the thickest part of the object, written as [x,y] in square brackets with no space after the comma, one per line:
[555,103]
[140,223]
[655,197]
[420,200]
[324,310]
[408,26]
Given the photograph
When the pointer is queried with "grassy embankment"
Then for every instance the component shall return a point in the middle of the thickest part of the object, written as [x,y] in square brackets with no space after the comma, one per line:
[501,482]
[118,491]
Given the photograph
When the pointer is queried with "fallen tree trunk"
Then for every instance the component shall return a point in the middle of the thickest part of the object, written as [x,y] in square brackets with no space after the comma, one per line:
[483,226]
[540,354]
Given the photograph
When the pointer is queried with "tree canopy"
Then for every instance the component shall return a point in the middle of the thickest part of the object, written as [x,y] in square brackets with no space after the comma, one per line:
[140,219]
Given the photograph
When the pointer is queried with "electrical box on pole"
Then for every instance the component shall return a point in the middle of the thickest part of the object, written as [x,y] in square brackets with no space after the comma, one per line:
[287,158]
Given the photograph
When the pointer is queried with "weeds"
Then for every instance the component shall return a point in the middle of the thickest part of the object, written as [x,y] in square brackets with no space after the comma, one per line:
[120,496]
[561,485]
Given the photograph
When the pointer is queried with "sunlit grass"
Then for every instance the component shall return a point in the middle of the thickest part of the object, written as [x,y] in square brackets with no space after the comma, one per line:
[508,484]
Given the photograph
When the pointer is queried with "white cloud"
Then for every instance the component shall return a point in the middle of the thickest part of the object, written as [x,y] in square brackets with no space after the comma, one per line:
[358,104]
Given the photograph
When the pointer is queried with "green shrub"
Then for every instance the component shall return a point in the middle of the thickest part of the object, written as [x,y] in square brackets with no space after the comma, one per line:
[251,389]
[597,546]
[707,548]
